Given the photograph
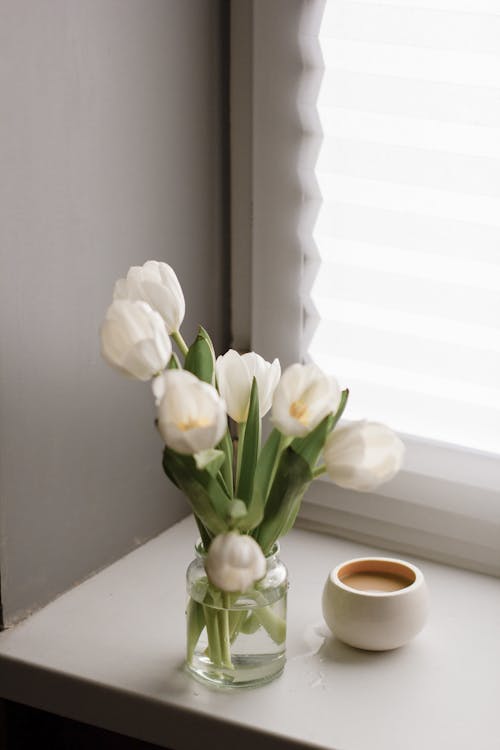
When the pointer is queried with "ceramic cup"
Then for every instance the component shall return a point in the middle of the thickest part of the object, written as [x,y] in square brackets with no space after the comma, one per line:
[373,619]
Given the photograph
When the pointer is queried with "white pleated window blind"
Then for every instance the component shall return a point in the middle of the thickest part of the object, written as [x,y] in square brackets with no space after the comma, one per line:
[408,289]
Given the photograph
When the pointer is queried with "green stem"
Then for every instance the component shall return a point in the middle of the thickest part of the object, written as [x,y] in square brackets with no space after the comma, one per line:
[236,620]
[183,347]
[226,471]
[272,622]
[251,624]
[318,471]
[195,625]
[224,632]
[284,443]
[212,626]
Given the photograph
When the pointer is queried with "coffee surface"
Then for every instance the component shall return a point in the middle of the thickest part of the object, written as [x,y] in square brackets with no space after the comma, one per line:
[373,581]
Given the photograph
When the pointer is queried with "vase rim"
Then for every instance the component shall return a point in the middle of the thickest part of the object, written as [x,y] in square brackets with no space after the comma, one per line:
[200,552]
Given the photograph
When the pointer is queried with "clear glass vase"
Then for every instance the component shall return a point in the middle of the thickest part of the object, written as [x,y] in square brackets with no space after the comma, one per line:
[236,640]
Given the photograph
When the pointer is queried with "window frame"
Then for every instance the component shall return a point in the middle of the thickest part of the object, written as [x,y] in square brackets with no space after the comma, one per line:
[445,503]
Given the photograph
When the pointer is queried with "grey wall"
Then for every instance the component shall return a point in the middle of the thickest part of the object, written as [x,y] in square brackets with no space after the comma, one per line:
[110,153]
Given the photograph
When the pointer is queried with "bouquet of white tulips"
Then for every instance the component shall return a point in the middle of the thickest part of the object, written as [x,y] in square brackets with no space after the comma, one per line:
[244,495]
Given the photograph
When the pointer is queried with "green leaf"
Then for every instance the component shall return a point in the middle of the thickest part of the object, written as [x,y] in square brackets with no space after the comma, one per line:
[226,445]
[293,513]
[205,536]
[342,405]
[208,500]
[310,446]
[203,333]
[168,471]
[253,515]
[200,357]
[292,478]
[174,363]
[210,459]
[248,448]
[266,463]
[264,475]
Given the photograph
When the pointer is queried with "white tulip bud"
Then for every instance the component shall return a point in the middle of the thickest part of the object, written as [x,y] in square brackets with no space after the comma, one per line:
[235,374]
[134,340]
[234,562]
[157,284]
[191,416]
[304,396]
[363,455]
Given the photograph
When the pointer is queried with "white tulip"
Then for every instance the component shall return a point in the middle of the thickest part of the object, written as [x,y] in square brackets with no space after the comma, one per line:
[134,340]
[192,415]
[157,284]
[304,396]
[234,562]
[363,455]
[235,374]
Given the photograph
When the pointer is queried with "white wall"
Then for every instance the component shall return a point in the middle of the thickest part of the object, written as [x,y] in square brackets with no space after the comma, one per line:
[110,139]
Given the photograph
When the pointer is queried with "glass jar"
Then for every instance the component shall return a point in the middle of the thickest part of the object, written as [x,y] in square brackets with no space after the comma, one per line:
[236,640]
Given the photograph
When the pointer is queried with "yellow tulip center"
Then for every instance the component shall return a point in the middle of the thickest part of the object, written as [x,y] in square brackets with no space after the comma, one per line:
[191,424]
[299,411]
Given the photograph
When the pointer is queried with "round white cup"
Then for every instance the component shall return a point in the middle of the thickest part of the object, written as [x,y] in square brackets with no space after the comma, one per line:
[375,620]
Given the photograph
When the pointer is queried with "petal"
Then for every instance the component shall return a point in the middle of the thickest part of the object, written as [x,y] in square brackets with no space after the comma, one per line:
[151,270]
[133,339]
[157,284]
[384,450]
[114,341]
[273,380]
[363,455]
[345,446]
[183,441]
[120,290]
[133,281]
[234,562]
[354,479]
[292,382]
[280,415]
[143,360]
[267,376]
[158,388]
[161,299]
[234,384]
[308,384]
[191,414]
[254,363]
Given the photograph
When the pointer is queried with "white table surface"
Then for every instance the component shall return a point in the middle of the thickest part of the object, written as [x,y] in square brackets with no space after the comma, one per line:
[110,653]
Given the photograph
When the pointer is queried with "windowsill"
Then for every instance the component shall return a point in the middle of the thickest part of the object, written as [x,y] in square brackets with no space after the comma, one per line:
[110,651]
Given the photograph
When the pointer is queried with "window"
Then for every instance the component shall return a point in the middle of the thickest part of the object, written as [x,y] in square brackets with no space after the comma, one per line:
[408,291]
[410,174]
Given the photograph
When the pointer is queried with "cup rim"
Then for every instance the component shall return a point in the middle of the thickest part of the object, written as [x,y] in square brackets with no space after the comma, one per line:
[337,581]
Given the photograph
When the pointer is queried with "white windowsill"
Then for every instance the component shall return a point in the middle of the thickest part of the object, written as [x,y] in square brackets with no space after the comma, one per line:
[110,652]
